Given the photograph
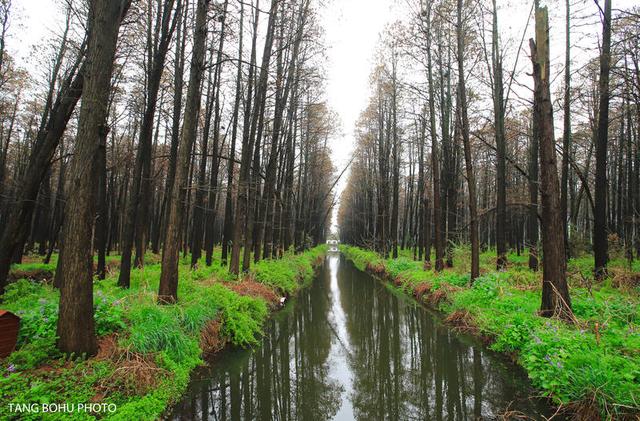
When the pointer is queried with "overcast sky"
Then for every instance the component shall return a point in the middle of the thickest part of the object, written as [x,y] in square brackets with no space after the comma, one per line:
[352,32]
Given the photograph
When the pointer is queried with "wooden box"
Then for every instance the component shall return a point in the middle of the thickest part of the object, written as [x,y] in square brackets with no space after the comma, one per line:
[9,325]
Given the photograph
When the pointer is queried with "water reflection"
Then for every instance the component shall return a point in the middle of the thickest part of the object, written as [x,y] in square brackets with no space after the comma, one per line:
[350,348]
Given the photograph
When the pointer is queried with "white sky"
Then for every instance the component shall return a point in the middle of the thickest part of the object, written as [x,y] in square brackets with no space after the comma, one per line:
[352,33]
[33,21]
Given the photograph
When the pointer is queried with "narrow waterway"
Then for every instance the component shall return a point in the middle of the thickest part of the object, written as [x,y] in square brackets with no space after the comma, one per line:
[349,347]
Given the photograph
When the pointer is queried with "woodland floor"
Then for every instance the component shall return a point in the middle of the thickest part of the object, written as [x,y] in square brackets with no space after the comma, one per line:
[147,351]
[590,368]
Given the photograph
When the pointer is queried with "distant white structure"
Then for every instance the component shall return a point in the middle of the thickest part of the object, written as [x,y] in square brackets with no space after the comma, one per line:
[333,245]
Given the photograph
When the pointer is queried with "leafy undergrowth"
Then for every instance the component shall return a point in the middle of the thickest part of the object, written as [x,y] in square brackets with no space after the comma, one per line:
[147,351]
[592,365]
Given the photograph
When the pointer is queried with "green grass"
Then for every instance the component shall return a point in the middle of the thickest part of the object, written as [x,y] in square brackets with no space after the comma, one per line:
[166,335]
[569,363]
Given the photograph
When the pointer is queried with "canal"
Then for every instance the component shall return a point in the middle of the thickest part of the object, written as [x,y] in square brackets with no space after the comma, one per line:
[349,347]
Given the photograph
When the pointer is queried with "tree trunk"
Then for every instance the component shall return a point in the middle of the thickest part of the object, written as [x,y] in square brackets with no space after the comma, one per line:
[555,292]
[210,216]
[242,202]
[600,246]
[501,167]
[17,222]
[248,182]
[102,220]
[137,211]
[228,208]
[532,219]
[435,156]
[168,291]
[464,127]
[566,133]
[395,153]
[75,328]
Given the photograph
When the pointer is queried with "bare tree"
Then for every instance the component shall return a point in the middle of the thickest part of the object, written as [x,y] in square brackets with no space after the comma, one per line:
[555,292]
[168,292]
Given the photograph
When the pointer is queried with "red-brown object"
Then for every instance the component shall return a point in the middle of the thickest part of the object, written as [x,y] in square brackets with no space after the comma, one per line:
[9,325]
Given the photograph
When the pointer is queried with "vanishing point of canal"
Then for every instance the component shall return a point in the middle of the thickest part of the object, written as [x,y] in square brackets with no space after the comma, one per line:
[348,347]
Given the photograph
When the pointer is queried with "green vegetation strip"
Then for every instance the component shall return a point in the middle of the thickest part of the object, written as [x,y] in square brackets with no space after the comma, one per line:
[592,366]
[154,348]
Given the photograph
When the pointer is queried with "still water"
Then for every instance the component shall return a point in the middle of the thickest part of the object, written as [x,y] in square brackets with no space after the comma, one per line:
[350,348]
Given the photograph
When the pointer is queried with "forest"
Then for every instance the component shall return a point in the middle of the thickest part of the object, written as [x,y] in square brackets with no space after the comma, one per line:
[493,162]
[168,183]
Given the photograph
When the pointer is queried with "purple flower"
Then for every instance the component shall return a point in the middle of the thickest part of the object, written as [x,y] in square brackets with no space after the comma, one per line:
[11,368]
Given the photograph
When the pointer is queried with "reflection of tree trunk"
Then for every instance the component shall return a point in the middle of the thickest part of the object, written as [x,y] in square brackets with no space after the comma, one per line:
[248,396]
[204,401]
[440,352]
[234,395]
[478,383]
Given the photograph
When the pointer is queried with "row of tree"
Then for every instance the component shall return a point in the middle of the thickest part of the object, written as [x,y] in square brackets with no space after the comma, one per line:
[460,148]
[173,126]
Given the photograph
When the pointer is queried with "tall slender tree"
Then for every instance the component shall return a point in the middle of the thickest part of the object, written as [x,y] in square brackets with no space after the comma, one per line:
[566,132]
[555,291]
[75,328]
[463,122]
[501,163]
[137,213]
[168,292]
[600,237]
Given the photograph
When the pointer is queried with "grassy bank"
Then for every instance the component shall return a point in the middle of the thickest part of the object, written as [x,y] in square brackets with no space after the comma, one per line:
[147,351]
[591,367]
